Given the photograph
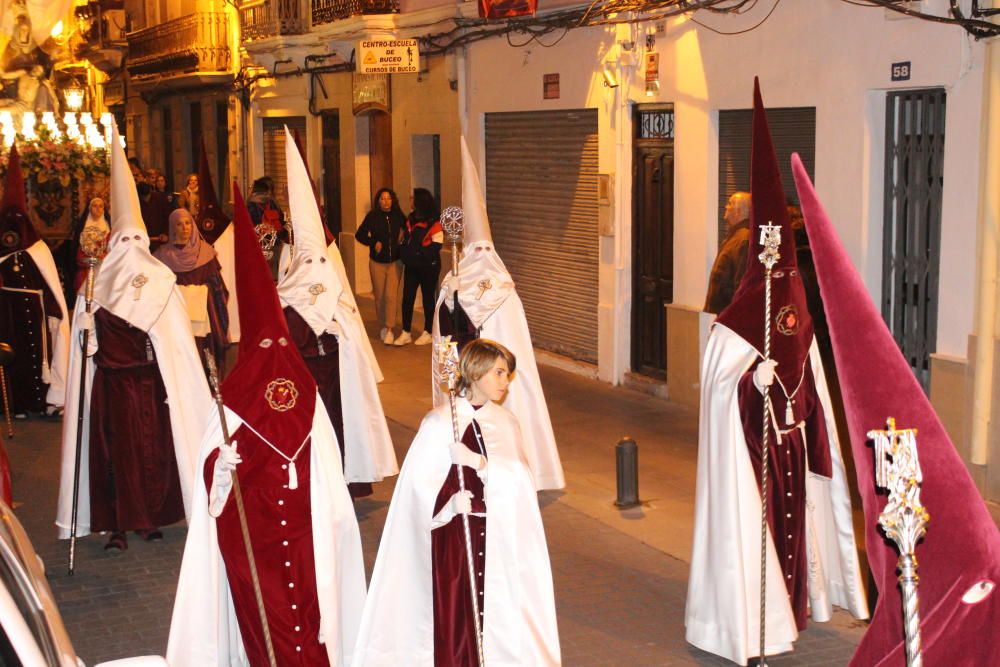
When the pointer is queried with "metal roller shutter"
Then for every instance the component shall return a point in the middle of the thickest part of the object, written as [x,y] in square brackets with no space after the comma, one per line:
[793,130]
[541,192]
[274,152]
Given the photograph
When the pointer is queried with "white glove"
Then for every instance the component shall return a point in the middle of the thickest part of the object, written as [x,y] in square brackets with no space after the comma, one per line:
[227,461]
[763,375]
[463,456]
[461,503]
[85,320]
[224,466]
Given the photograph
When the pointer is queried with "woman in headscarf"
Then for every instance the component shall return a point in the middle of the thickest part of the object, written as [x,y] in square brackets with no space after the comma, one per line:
[96,218]
[199,277]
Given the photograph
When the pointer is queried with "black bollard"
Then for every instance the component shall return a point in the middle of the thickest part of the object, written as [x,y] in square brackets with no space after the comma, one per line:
[627,471]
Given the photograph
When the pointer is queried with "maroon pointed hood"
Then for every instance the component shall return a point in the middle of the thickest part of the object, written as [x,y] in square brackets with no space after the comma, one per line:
[270,387]
[791,325]
[16,231]
[962,545]
[211,220]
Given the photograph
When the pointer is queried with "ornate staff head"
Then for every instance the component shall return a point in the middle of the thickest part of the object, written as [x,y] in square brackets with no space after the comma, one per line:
[453,224]
[770,238]
[93,242]
[897,469]
[446,357]
[267,236]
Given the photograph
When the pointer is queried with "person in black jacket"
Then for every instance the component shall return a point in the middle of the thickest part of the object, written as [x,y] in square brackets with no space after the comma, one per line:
[382,232]
[421,254]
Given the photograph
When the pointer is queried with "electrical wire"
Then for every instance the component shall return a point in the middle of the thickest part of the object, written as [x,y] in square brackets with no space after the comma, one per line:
[738,32]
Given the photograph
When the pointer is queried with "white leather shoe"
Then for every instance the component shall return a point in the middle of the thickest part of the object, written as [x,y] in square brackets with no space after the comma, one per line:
[424,339]
[387,337]
[404,339]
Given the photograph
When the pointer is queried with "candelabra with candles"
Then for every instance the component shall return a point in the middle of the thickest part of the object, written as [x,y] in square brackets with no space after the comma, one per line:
[79,128]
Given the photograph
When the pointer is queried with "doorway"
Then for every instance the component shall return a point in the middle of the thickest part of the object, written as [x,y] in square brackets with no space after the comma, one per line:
[331,171]
[652,236]
[380,147]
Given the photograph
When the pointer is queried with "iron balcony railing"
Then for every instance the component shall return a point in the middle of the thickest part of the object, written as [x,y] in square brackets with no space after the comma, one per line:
[192,44]
[261,19]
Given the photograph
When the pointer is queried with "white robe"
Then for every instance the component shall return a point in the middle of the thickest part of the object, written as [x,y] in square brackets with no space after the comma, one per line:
[204,631]
[397,626]
[187,393]
[722,613]
[499,314]
[57,327]
[225,252]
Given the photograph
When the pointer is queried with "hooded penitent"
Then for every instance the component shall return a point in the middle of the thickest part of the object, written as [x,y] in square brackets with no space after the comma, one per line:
[305,538]
[959,557]
[812,561]
[488,306]
[146,394]
[212,222]
[33,317]
[324,324]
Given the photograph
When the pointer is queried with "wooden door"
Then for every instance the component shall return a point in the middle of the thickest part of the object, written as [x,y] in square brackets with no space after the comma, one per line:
[331,170]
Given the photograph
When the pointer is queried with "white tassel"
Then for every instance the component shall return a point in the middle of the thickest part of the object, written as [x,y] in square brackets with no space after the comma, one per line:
[293,476]
[789,417]
[46,373]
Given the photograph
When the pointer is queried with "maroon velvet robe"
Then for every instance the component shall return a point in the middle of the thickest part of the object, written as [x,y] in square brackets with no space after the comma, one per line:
[457,325]
[134,484]
[23,320]
[322,356]
[787,462]
[210,275]
[454,631]
[280,523]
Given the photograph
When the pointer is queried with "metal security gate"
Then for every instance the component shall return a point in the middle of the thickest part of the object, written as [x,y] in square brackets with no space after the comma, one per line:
[911,242]
[541,192]
[274,153]
[793,130]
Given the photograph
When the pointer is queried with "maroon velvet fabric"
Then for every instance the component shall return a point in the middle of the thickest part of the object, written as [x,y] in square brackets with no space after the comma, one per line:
[5,488]
[134,482]
[787,463]
[210,275]
[457,325]
[155,213]
[325,369]
[21,323]
[16,230]
[211,220]
[270,387]
[962,545]
[454,628]
[280,524]
[790,325]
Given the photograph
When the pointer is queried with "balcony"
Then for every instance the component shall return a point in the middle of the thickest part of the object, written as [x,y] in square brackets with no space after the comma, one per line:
[328,11]
[102,30]
[260,19]
[196,44]
[263,19]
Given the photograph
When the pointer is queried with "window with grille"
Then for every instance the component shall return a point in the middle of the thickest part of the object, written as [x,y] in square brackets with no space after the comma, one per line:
[274,152]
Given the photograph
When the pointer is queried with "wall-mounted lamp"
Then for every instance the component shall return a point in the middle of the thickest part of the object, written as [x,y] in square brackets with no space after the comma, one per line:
[610,76]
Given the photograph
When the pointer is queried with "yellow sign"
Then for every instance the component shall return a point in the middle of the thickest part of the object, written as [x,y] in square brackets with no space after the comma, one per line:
[388,56]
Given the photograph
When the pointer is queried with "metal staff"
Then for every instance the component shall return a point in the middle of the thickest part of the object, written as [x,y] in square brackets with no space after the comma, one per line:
[770,238]
[904,519]
[213,379]
[93,243]
[447,358]
[453,224]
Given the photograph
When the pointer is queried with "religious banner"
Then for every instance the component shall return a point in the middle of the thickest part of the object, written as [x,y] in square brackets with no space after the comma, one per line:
[502,9]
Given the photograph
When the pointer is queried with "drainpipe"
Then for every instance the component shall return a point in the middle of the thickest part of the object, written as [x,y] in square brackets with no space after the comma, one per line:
[989,245]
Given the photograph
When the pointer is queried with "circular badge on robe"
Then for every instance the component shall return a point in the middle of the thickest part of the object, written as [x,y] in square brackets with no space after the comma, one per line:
[208,225]
[281,394]
[788,320]
[10,239]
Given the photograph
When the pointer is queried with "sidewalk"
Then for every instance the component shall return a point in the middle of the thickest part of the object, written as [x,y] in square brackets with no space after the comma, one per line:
[620,576]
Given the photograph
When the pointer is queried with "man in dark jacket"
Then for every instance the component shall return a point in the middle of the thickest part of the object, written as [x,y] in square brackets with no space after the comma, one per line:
[731,261]
[382,232]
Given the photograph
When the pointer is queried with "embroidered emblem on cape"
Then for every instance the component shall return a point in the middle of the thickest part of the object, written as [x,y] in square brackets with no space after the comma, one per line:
[138,283]
[208,225]
[281,394]
[315,290]
[10,239]
[788,320]
[483,285]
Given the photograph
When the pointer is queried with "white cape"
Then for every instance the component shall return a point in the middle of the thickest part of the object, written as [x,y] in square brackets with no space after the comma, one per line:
[204,631]
[397,627]
[225,252]
[722,613]
[57,327]
[187,393]
[501,318]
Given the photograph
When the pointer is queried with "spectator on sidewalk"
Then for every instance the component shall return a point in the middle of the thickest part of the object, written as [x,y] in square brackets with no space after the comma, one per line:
[421,255]
[731,261]
[188,197]
[265,210]
[382,232]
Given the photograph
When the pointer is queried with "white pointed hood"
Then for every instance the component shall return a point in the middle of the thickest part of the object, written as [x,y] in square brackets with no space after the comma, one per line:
[130,283]
[311,285]
[483,282]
